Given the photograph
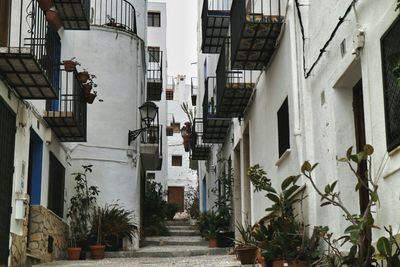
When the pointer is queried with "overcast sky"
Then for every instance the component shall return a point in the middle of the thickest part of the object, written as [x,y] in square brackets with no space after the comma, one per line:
[181,37]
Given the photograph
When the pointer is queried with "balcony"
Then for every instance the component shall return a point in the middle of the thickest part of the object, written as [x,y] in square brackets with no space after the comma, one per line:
[215,128]
[116,14]
[30,52]
[194,88]
[67,116]
[255,28]
[151,147]
[154,74]
[199,150]
[74,13]
[234,87]
[215,24]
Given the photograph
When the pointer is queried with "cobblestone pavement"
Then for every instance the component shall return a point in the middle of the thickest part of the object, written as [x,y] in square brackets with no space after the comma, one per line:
[197,261]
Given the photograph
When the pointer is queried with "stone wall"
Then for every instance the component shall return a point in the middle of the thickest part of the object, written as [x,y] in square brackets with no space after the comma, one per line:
[44,225]
[19,243]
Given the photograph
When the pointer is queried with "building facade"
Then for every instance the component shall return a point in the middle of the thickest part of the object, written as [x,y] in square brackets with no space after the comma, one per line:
[50,126]
[283,82]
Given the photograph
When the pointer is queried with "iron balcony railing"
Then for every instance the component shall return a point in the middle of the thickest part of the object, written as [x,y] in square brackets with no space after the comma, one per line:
[215,24]
[234,87]
[67,115]
[74,14]
[154,74]
[153,135]
[30,52]
[199,150]
[194,89]
[255,27]
[209,107]
[119,14]
[170,83]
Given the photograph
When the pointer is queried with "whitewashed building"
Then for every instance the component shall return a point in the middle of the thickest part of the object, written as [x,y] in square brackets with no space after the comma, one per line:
[47,128]
[294,83]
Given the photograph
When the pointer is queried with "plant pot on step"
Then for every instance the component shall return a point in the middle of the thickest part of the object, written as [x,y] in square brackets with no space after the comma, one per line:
[45,5]
[246,254]
[83,76]
[74,253]
[97,252]
[260,258]
[212,243]
[53,18]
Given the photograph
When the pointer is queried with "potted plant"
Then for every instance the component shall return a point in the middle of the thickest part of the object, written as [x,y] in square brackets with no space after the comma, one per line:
[208,226]
[97,250]
[245,247]
[45,5]
[70,64]
[83,76]
[53,18]
[80,208]
[89,98]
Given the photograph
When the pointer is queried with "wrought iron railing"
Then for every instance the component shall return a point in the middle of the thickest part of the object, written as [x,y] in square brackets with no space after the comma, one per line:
[209,107]
[153,135]
[196,138]
[28,29]
[119,14]
[216,5]
[170,83]
[154,65]
[194,87]
[256,11]
[71,103]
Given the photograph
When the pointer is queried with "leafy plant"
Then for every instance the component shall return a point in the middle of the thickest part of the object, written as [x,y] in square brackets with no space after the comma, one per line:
[190,113]
[246,237]
[81,206]
[398,5]
[223,203]
[388,249]
[154,209]
[170,210]
[208,224]
[116,223]
[192,202]
[258,178]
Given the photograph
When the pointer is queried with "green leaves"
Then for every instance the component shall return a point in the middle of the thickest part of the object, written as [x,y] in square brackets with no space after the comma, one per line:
[258,178]
[384,247]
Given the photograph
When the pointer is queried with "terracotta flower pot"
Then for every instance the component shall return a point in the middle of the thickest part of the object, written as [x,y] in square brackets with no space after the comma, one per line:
[87,88]
[53,18]
[74,253]
[69,65]
[212,243]
[83,76]
[90,98]
[246,255]
[45,5]
[260,258]
[97,252]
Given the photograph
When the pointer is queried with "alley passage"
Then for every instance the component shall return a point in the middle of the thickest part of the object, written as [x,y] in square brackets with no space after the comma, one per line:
[183,248]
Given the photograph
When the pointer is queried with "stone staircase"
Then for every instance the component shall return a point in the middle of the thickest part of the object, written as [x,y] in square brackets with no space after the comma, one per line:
[184,241]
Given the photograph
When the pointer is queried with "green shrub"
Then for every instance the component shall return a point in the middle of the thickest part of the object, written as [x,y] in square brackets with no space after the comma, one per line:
[170,210]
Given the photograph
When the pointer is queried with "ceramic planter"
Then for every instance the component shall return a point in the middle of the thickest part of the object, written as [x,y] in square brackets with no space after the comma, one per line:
[53,18]
[212,243]
[87,88]
[90,98]
[74,253]
[246,255]
[45,5]
[97,252]
[83,76]
[69,65]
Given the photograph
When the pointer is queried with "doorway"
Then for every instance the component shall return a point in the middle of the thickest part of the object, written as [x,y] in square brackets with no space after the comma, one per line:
[7,144]
[176,195]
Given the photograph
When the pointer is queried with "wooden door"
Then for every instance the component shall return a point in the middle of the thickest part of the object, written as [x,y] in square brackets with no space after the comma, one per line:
[176,195]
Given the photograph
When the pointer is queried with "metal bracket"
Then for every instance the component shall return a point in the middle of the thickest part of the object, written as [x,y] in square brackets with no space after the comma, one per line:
[132,135]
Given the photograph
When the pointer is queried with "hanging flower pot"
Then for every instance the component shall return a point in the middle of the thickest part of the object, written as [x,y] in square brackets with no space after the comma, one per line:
[83,76]
[69,65]
[90,98]
[45,5]
[87,87]
[53,19]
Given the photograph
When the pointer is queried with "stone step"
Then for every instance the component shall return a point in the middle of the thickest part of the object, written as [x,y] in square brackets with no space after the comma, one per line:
[175,241]
[178,223]
[182,227]
[168,251]
[184,233]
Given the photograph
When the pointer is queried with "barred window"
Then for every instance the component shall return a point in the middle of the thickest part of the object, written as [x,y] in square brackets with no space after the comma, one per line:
[170,131]
[390,45]
[56,186]
[169,94]
[153,19]
[283,127]
[154,54]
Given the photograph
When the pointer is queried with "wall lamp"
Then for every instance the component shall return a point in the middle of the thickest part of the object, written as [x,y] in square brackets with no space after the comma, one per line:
[148,112]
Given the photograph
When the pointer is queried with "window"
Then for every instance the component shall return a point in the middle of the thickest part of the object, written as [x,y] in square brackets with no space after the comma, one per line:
[390,45]
[56,186]
[153,19]
[176,160]
[151,176]
[170,131]
[154,54]
[283,127]
[169,94]
[176,126]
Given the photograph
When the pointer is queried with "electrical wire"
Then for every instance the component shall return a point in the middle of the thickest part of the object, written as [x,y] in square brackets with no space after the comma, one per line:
[323,49]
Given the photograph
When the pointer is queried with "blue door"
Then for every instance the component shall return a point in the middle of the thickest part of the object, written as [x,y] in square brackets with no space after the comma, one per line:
[35,168]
